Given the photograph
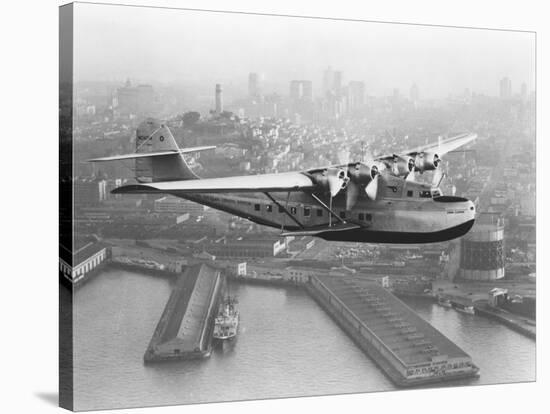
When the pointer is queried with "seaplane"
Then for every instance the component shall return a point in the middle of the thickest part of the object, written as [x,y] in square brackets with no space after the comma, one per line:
[373,201]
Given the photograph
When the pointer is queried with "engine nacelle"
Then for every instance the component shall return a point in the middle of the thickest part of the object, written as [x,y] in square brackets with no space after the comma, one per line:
[426,161]
[323,179]
[402,165]
[362,173]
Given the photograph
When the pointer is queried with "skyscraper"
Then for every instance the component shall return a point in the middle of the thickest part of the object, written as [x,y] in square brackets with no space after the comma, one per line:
[135,99]
[505,88]
[328,80]
[307,90]
[301,90]
[523,90]
[301,97]
[356,95]
[414,93]
[254,86]
[332,81]
[337,82]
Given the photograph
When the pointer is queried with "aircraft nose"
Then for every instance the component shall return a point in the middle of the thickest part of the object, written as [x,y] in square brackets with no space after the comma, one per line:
[471,209]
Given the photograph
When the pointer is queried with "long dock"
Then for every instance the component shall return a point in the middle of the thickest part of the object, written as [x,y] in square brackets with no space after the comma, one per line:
[517,323]
[407,348]
[184,329]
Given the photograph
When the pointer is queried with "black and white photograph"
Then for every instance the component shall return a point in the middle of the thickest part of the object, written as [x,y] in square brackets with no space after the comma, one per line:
[274,206]
[270,207]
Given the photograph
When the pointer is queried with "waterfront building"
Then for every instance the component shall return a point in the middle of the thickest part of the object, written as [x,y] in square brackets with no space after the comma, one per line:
[176,205]
[408,349]
[245,247]
[86,257]
[187,317]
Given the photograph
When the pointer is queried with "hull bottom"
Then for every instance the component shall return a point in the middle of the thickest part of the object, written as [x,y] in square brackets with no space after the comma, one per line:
[373,236]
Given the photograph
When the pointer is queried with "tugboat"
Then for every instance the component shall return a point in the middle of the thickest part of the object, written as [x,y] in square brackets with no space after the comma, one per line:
[464,307]
[227,321]
[444,301]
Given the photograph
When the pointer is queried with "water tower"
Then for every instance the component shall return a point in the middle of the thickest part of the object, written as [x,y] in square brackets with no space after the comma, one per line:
[482,249]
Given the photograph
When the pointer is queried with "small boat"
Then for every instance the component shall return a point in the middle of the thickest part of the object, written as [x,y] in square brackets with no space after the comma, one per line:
[226,323]
[464,308]
[444,301]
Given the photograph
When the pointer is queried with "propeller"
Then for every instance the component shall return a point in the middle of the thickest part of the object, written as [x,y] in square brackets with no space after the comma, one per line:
[361,176]
[337,180]
[372,188]
[410,178]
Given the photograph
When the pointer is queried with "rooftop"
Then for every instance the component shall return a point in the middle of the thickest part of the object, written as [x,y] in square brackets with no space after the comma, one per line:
[411,338]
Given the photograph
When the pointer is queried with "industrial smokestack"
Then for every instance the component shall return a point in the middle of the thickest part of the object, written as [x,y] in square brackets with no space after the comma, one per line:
[219,99]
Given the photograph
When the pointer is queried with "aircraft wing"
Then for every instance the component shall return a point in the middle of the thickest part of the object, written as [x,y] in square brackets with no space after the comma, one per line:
[290,181]
[441,148]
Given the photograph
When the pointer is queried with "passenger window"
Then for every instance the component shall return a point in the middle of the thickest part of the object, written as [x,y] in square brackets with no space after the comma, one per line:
[269,208]
[319,212]
[307,211]
[281,209]
[369,217]
[342,214]
[361,216]
[409,193]
[425,194]
[256,207]
[293,210]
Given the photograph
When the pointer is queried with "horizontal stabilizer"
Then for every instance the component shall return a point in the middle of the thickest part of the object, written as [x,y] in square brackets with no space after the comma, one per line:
[315,231]
[152,154]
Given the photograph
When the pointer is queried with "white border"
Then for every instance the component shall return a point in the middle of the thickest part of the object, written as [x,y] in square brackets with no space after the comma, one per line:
[28,95]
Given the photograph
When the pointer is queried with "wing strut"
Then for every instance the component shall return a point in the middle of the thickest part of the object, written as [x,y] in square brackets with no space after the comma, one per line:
[285,209]
[330,212]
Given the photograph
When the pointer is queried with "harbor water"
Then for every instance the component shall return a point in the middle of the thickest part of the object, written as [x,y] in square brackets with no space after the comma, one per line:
[287,347]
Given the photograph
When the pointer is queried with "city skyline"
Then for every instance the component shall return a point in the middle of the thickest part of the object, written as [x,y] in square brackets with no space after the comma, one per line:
[440,60]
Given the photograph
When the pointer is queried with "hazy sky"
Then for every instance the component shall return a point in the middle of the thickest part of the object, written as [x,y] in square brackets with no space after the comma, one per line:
[158,45]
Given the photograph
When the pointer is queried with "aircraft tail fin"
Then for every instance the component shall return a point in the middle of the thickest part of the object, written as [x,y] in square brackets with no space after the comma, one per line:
[157,157]
[154,137]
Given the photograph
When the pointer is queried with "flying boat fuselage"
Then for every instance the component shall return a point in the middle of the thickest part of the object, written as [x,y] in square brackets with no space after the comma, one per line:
[404,212]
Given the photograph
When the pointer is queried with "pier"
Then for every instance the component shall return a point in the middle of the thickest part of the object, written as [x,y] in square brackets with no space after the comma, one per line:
[406,347]
[517,323]
[185,327]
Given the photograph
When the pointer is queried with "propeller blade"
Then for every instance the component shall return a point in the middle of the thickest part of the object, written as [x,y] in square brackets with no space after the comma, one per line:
[337,179]
[334,185]
[352,193]
[372,188]
[410,177]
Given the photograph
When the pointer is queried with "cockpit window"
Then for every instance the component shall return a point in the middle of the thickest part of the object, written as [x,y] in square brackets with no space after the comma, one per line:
[426,194]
